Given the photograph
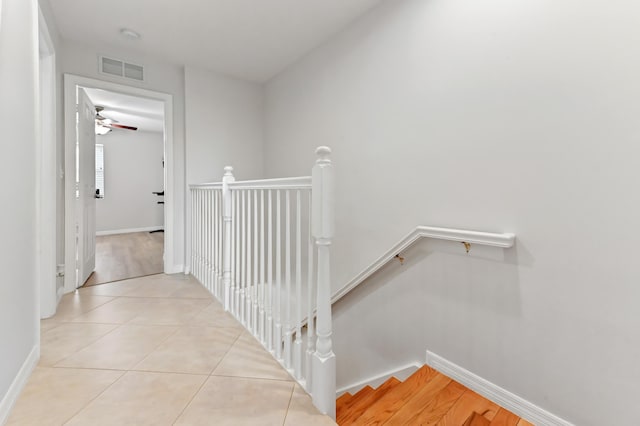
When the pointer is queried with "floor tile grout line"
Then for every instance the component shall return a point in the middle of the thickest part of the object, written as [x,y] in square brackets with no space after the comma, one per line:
[83,368]
[137,314]
[262,348]
[57,324]
[122,280]
[286,413]
[125,371]
[271,379]
[75,292]
[83,347]
[73,319]
[85,322]
[191,400]
[117,326]
[154,349]
[97,396]
[136,370]
[225,354]
[180,325]
[79,350]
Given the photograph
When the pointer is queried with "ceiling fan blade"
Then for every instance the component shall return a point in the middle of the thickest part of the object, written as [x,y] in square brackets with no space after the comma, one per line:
[121,126]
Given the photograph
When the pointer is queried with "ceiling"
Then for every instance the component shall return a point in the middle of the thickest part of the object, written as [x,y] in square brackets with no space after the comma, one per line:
[249,39]
[145,114]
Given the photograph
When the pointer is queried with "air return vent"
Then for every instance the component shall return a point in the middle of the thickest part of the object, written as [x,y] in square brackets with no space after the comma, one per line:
[120,68]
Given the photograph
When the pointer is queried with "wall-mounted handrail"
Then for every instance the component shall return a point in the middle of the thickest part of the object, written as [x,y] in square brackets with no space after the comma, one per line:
[504,240]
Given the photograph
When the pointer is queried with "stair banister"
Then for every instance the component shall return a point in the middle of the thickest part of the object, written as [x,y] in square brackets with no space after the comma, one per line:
[226,196]
[251,260]
[324,360]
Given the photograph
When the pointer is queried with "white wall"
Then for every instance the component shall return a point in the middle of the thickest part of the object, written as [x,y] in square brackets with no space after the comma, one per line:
[55,38]
[224,126]
[132,170]
[19,310]
[496,116]
[161,77]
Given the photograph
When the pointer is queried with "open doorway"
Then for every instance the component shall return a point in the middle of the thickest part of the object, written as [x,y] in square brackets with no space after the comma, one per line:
[140,161]
[129,172]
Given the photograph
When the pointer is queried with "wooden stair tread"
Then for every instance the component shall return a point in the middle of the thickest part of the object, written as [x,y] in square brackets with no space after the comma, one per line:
[419,399]
[439,405]
[344,399]
[469,402]
[476,419]
[355,410]
[358,396]
[426,398]
[505,418]
[393,400]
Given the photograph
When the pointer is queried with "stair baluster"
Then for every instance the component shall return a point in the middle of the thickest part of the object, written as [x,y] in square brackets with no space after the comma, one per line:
[232,246]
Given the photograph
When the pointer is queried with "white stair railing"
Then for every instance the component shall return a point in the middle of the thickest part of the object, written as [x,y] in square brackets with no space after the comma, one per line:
[262,249]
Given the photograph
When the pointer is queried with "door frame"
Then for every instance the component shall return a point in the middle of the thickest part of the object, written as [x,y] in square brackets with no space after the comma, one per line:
[71,82]
[46,174]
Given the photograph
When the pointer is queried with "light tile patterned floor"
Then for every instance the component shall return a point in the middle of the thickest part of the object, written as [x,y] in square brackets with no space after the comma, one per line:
[156,350]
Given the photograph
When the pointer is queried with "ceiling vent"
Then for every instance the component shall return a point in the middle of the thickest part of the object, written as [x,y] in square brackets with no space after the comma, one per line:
[120,68]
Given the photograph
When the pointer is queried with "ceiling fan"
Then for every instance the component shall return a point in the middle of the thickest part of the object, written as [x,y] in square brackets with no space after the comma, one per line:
[104,125]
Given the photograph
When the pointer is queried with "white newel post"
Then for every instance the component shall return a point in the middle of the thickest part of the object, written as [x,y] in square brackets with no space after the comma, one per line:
[324,360]
[226,204]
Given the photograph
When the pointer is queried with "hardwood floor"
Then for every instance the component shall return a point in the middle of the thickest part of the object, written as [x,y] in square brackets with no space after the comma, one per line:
[425,398]
[123,256]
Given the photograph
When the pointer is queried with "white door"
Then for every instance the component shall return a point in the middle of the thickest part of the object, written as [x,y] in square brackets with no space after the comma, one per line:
[86,185]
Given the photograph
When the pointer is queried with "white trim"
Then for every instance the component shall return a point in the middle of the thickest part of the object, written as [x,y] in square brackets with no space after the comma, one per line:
[18,384]
[70,83]
[401,374]
[504,240]
[46,172]
[128,230]
[495,393]
[302,182]
[177,269]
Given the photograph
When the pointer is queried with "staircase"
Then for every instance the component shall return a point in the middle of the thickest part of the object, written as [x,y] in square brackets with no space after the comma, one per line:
[425,398]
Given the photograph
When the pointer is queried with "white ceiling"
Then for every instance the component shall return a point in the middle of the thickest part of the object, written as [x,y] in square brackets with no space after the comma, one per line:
[250,39]
[145,114]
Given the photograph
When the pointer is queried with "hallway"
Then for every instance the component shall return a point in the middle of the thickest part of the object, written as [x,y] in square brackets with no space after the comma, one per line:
[155,350]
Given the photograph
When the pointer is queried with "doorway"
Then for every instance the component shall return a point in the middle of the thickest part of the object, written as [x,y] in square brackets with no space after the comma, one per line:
[129,175]
[119,105]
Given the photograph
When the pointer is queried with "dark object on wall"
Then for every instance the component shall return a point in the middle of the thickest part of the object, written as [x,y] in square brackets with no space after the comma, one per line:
[159,194]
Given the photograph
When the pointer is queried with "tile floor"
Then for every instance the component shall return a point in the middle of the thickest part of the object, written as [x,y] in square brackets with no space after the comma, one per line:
[156,350]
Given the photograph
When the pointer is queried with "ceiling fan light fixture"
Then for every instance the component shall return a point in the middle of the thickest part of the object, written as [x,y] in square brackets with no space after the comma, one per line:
[102,130]
[130,34]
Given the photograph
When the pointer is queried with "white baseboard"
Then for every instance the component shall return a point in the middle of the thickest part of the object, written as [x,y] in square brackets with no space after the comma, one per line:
[400,373]
[495,393]
[175,269]
[18,384]
[129,230]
